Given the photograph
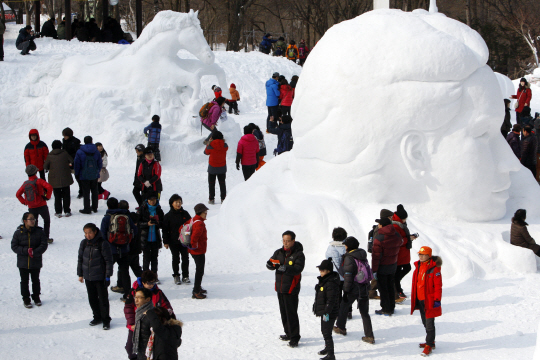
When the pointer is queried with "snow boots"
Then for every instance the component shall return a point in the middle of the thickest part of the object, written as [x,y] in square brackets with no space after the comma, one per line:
[380,312]
[286,338]
[37,300]
[427,351]
[177,280]
[95,322]
[369,340]
[27,303]
[186,280]
[198,296]
[340,331]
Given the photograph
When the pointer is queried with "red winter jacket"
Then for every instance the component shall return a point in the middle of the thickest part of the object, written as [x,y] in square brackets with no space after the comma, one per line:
[286,95]
[217,161]
[158,299]
[248,147]
[404,256]
[35,152]
[432,287]
[523,97]
[198,237]
[386,246]
[38,200]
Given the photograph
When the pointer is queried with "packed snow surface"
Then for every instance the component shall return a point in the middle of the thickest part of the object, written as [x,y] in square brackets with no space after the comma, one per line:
[416,123]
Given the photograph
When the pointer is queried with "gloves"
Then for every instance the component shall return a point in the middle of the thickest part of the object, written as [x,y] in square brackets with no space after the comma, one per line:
[147,183]
[146,135]
[281,268]
[31,253]
[436,304]
[237,166]
[107,281]
[375,275]
[345,296]
[326,317]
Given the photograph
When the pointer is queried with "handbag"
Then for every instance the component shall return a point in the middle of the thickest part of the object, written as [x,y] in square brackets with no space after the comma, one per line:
[103,175]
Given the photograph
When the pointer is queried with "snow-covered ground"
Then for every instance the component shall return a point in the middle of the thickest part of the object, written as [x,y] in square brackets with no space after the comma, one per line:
[489,299]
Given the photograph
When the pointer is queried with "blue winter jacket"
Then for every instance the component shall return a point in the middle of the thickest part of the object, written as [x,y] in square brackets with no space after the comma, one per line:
[272,93]
[106,221]
[80,158]
[336,250]
[154,132]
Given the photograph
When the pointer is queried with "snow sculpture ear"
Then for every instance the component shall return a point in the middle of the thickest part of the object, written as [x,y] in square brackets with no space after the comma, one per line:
[197,14]
[415,154]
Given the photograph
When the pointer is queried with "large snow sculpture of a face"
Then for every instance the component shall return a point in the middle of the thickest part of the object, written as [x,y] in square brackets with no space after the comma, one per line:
[397,107]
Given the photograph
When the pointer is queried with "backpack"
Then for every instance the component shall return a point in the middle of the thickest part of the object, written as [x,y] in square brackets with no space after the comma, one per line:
[263,47]
[364,274]
[302,51]
[285,143]
[120,231]
[203,113]
[90,168]
[185,233]
[291,53]
[31,193]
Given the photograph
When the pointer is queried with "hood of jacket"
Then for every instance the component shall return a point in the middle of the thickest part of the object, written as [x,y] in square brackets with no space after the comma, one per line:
[34,132]
[96,238]
[296,247]
[359,254]
[250,138]
[23,31]
[337,243]
[286,87]
[218,144]
[117,211]
[89,148]
[387,230]
[437,260]
[173,322]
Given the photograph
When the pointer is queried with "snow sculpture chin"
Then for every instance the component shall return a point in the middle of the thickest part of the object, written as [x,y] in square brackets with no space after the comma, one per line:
[408,112]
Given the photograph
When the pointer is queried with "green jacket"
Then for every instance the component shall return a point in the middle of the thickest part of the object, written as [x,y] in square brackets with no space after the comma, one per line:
[61,31]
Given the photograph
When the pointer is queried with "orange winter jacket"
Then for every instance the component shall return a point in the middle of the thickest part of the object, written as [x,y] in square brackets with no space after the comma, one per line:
[428,280]
[295,48]
[235,95]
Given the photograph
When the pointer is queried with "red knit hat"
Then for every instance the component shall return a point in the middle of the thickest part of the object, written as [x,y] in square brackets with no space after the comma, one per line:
[233,86]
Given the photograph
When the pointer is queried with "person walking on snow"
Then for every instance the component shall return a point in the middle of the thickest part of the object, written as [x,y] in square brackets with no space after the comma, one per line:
[199,240]
[292,51]
[150,221]
[247,152]
[35,152]
[29,242]
[137,186]
[272,100]
[326,305]
[87,169]
[103,174]
[149,175]
[217,166]
[524,97]
[335,251]
[71,144]
[288,263]
[399,220]
[36,194]
[427,294]
[58,164]
[153,133]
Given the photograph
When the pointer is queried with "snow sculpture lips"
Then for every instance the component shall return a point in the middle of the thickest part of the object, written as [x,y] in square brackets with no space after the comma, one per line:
[407,111]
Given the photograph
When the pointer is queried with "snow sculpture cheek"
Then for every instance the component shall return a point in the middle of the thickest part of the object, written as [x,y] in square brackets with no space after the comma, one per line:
[191,38]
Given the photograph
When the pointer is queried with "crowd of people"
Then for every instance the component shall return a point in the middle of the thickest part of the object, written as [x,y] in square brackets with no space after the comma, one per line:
[293,52]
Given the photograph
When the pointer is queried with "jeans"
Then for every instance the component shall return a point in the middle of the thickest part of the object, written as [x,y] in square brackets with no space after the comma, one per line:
[178,249]
[429,324]
[248,170]
[212,185]
[150,256]
[44,212]
[288,307]
[90,186]
[26,46]
[137,193]
[36,285]
[98,297]
[401,271]
[272,111]
[326,330]
[123,271]
[62,199]
[386,287]
[199,271]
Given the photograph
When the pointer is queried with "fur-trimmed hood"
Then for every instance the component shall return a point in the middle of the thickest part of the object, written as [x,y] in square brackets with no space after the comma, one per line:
[337,243]
[173,322]
[438,260]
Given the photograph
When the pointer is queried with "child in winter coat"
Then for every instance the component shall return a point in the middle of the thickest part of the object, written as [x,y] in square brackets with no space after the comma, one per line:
[427,293]
[335,251]
[217,165]
[149,174]
[36,194]
[326,305]
[210,121]
[150,221]
[235,96]
[286,96]
[153,132]
[166,335]
[35,152]
[262,145]
[103,174]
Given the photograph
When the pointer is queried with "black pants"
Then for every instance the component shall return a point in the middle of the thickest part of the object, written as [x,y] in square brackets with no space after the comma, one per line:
[137,193]
[302,61]
[429,324]
[288,307]
[150,256]
[1,46]
[80,193]
[286,110]
[212,185]
[36,285]
[233,105]
[199,271]
[155,148]
[272,111]
[386,288]
[133,261]
[98,297]
[62,199]
[326,330]
[123,271]
[101,190]
[248,170]
[42,175]
[178,249]
[341,294]
[90,186]
[401,271]
[44,212]
[363,307]
[26,46]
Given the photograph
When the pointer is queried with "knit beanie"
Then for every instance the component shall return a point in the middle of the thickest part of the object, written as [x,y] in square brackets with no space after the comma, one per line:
[401,213]
[385,213]
[31,170]
[233,86]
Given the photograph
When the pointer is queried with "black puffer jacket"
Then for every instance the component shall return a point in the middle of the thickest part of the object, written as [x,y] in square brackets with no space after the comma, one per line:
[167,338]
[135,244]
[144,335]
[95,259]
[529,148]
[136,181]
[172,222]
[71,145]
[22,240]
[144,218]
[288,281]
[386,250]
[327,295]
[349,270]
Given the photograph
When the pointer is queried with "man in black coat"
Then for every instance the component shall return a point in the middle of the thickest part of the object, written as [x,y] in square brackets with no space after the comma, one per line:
[48,29]
[173,220]
[529,148]
[288,263]
[352,290]
[71,144]
[137,186]
[25,40]
[95,267]
[513,140]
[29,243]
[326,305]
[142,331]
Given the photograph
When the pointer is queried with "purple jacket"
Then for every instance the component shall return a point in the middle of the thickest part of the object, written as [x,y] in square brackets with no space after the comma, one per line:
[213,115]
[515,144]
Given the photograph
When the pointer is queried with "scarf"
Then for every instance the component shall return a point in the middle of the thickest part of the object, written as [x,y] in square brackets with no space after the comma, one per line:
[139,314]
[152,230]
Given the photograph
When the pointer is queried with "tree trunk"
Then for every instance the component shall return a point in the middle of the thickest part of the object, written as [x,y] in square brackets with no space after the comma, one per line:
[187,5]
[468,12]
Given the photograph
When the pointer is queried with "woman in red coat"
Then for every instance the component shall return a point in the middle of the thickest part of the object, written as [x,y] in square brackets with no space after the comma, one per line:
[35,152]
[286,96]
[524,96]
[427,293]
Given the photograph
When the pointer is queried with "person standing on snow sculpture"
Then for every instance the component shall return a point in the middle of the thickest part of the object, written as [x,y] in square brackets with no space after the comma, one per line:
[384,263]
[103,174]
[29,243]
[272,100]
[292,51]
[153,133]
[217,166]
[71,144]
[199,240]
[355,288]
[399,220]
[427,293]
[209,122]
[95,268]
[529,149]
[58,164]
[150,221]
[137,186]
[36,194]
[519,235]
[335,251]
[87,169]
[384,213]
[524,96]
[172,222]
[247,152]
[149,175]
[35,152]
[235,97]
[288,263]
[303,52]
[266,44]
[326,305]
[514,141]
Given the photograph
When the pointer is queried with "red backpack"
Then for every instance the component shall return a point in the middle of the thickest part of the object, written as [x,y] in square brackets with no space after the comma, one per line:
[32,194]
[120,231]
